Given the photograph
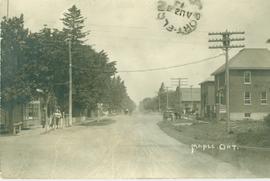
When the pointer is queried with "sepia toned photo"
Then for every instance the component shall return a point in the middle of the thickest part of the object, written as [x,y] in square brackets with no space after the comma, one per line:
[134,89]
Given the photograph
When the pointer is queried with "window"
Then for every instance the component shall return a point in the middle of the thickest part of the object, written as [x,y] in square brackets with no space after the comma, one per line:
[247,115]
[247,98]
[263,98]
[247,77]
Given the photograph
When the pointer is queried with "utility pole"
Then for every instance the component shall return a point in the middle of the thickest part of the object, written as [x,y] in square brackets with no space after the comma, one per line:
[181,81]
[167,102]
[159,103]
[226,46]
[70,82]
[167,92]
[0,70]
[7,8]
[191,98]
[158,96]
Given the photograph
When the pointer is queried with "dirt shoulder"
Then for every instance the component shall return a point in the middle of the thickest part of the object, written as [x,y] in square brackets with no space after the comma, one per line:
[247,148]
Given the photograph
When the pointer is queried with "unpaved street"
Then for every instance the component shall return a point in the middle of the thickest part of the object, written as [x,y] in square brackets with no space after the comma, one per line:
[130,147]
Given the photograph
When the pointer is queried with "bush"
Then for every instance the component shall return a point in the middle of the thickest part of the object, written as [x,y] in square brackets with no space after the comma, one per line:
[267,120]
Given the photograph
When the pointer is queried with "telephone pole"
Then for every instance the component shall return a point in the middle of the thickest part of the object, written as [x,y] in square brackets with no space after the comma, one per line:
[191,96]
[180,81]
[70,82]
[158,96]
[167,92]
[167,100]
[226,46]
[7,8]
[0,70]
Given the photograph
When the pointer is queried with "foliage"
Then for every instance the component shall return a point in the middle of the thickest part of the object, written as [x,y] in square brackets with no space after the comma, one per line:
[13,36]
[73,25]
[149,104]
[162,96]
[46,64]
[152,104]
[40,61]
[117,97]
[267,120]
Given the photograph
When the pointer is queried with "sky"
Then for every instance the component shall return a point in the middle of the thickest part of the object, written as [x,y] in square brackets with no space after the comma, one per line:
[128,30]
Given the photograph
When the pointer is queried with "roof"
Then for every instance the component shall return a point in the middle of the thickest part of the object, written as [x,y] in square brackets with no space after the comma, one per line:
[209,79]
[186,94]
[248,58]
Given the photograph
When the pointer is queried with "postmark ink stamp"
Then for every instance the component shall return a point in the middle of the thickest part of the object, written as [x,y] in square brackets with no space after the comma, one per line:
[181,16]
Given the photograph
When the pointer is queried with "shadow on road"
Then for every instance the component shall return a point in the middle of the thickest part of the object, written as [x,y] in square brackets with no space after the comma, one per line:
[102,122]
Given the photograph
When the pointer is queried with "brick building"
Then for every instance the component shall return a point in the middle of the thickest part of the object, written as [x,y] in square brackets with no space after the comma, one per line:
[249,85]
[208,98]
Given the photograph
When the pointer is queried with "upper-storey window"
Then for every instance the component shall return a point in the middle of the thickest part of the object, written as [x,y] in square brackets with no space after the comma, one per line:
[263,98]
[247,98]
[247,77]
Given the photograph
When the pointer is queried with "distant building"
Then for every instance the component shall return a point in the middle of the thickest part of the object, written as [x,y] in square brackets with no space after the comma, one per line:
[191,99]
[208,98]
[249,85]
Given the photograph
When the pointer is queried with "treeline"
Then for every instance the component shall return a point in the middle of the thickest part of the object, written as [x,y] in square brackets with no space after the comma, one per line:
[159,102]
[35,65]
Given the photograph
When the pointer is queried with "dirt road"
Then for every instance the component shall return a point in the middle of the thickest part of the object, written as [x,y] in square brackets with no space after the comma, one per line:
[130,147]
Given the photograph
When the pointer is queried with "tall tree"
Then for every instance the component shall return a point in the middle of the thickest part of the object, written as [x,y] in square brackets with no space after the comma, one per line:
[46,66]
[118,99]
[92,76]
[162,95]
[73,25]
[39,61]
[14,35]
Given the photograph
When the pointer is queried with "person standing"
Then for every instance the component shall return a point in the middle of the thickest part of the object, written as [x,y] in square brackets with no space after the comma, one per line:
[57,116]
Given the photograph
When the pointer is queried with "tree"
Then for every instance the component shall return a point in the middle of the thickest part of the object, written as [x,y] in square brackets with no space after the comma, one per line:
[163,97]
[128,103]
[13,36]
[45,67]
[152,104]
[92,77]
[149,104]
[117,98]
[92,71]
[39,61]
[118,92]
[73,25]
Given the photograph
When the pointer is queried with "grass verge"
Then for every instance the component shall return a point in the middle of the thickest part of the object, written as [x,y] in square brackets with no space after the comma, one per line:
[251,134]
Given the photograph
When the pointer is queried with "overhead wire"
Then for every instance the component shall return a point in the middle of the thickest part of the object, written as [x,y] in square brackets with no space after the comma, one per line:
[171,67]
[156,69]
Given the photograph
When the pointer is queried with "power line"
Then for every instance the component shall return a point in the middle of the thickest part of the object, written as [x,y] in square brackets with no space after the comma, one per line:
[170,67]
[153,69]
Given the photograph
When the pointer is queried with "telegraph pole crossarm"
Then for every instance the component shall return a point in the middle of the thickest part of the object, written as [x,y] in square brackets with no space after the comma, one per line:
[226,46]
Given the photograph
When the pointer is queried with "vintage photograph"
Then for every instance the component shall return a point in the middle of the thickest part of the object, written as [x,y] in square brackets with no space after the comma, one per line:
[134,89]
